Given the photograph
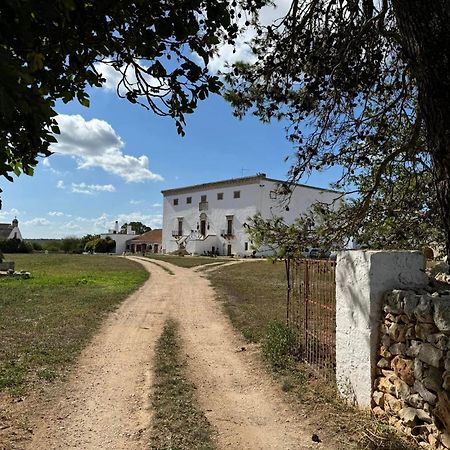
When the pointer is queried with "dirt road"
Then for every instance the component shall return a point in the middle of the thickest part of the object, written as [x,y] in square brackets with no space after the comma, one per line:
[105,405]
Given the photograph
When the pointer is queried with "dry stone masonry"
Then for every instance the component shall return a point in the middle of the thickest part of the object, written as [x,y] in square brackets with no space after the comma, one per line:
[412,385]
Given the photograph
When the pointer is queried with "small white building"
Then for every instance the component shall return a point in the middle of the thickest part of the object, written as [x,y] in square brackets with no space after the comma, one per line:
[10,231]
[212,217]
[119,237]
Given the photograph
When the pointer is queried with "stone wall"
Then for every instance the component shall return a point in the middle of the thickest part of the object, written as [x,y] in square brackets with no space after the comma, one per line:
[412,385]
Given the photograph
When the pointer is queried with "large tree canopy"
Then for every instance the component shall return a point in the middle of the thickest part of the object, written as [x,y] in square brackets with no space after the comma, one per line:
[50,50]
[364,85]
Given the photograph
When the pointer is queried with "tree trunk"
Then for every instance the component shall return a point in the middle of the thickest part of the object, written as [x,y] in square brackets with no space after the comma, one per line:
[424,28]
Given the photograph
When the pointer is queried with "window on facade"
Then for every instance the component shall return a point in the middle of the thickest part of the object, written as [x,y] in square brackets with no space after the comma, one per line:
[246,246]
[229,225]
[203,198]
[237,194]
[220,196]
[180,226]
[188,200]
[175,202]
[273,195]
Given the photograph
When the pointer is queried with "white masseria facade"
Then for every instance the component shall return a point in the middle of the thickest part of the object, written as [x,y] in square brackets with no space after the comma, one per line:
[212,217]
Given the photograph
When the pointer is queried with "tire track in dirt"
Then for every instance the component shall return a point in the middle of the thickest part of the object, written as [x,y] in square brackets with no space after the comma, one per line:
[105,403]
[238,397]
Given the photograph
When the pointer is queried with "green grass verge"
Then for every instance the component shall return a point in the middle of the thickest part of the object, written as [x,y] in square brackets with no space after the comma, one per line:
[166,269]
[254,297]
[45,321]
[186,261]
[178,422]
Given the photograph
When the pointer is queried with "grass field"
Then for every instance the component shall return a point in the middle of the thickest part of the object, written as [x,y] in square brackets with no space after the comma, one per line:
[186,261]
[178,421]
[45,321]
[254,297]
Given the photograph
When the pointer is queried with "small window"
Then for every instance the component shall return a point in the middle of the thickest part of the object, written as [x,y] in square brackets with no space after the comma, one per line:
[203,198]
[246,246]
[188,200]
[220,196]
[175,202]
[237,194]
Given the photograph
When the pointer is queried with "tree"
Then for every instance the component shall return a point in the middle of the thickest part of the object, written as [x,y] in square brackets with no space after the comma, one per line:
[51,50]
[364,85]
[137,227]
[72,244]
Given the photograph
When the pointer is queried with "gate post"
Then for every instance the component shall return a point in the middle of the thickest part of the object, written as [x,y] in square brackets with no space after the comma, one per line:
[362,277]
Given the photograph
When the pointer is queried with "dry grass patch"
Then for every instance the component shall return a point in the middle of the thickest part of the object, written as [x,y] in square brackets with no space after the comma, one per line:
[254,296]
[178,422]
[186,261]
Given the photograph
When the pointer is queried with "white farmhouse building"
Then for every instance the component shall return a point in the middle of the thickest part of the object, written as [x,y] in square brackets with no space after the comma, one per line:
[212,217]
[119,237]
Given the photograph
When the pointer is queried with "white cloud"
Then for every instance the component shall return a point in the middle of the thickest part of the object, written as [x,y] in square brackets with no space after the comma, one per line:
[60,184]
[55,213]
[156,205]
[10,214]
[83,188]
[94,143]
[268,15]
[136,202]
[37,221]
[46,162]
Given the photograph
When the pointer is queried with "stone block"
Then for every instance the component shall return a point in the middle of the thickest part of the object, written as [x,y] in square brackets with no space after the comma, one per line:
[398,349]
[430,355]
[415,400]
[442,313]
[392,405]
[418,369]
[379,412]
[404,369]
[397,332]
[427,395]
[432,379]
[413,349]
[378,398]
[442,410]
[408,416]
[383,363]
[423,330]
[423,311]
[393,301]
[402,390]
[410,301]
[384,385]
[439,340]
[446,380]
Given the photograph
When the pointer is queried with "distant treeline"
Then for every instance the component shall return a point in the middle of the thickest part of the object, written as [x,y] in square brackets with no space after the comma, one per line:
[71,244]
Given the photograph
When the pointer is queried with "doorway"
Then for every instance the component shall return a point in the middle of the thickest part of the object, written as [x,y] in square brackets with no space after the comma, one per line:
[229,250]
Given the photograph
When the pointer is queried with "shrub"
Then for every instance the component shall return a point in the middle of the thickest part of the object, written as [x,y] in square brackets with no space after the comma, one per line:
[15,246]
[279,345]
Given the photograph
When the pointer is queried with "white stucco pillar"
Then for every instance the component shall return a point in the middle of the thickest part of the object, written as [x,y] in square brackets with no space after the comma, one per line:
[362,277]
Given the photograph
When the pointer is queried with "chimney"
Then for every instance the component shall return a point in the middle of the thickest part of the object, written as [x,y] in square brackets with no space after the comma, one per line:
[129,229]
[116,227]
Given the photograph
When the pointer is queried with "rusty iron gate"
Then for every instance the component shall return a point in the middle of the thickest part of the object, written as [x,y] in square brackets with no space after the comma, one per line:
[311,312]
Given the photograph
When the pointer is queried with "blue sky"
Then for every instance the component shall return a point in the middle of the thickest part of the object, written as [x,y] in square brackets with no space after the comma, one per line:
[114,158]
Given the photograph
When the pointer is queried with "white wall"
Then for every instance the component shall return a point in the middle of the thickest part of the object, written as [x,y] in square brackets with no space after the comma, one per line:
[120,240]
[15,234]
[362,277]
[255,197]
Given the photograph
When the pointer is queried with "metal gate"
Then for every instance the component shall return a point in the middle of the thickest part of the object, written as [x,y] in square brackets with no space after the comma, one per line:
[311,311]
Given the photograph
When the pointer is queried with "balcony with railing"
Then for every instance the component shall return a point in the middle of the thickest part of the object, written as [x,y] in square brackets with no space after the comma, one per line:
[227,234]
